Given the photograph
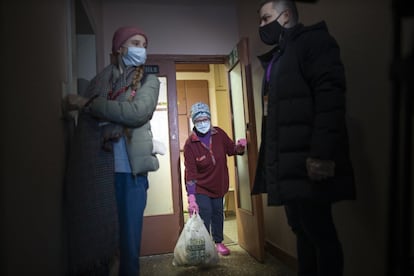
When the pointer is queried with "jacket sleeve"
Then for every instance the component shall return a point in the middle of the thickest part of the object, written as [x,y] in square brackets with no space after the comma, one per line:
[130,114]
[229,145]
[325,75]
[190,165]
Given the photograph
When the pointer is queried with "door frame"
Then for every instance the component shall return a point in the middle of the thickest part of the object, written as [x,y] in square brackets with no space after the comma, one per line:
[250,224]
[153,224]
[160,232]
[165,229]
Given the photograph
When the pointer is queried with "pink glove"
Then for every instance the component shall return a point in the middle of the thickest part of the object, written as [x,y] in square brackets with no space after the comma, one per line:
[241,145]
[242,142]
[192,205]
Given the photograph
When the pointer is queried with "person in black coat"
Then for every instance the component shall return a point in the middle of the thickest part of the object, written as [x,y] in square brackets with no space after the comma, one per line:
[304,161]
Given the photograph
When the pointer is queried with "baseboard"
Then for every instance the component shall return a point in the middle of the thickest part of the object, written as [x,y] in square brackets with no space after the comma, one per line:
[281,255]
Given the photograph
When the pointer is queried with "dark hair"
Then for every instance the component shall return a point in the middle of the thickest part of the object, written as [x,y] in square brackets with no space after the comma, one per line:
[283,5]
[264,2]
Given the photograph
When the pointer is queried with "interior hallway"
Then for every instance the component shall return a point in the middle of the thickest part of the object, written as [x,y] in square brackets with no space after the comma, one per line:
[238,262]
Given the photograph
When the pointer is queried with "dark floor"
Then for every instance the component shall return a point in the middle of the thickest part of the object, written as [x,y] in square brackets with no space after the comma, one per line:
[239,262]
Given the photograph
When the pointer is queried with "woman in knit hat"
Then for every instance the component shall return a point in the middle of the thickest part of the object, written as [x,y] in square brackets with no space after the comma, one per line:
[206,173]
[115,110]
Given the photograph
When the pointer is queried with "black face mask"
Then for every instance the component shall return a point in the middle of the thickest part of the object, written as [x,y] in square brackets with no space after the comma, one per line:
[270,33]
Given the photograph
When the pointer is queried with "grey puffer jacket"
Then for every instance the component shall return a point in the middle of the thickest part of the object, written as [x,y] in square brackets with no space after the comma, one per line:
[306,118]
[136,116]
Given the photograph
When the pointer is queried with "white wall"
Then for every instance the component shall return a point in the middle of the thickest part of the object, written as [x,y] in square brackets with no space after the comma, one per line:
[86,56]
[203,29]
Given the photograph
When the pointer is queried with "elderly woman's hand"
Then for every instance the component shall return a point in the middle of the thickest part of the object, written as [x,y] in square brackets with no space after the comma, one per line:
[241,146]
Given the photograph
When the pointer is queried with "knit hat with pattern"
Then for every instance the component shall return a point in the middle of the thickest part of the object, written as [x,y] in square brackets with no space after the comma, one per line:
[200,110]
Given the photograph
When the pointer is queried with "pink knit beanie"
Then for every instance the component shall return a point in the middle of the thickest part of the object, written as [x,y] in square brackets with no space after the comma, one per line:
[123,34]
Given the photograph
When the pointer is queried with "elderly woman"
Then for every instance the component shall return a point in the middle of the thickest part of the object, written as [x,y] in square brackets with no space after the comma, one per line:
[206,172]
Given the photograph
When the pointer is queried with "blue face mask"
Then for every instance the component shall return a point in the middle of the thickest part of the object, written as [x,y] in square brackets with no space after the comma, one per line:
[203,126]
[135,56]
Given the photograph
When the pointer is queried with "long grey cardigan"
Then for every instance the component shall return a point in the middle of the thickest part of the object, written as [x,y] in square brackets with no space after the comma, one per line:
[90,213]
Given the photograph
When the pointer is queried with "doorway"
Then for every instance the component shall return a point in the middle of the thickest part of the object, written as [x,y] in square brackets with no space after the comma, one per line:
[207,83]
[248,217]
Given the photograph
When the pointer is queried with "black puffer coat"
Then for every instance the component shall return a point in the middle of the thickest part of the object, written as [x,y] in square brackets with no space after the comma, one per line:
[306,118]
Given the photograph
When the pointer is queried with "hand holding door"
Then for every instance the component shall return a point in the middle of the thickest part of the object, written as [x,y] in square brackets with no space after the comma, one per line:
[241,146]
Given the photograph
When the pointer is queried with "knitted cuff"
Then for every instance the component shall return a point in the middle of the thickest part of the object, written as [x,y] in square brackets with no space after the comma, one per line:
[191,187]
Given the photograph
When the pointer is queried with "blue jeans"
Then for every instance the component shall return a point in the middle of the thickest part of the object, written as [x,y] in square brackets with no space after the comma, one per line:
[318,247]
[211,211]
[131,197]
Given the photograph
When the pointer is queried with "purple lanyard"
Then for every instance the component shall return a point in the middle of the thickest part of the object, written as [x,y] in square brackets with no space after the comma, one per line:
[269,68]
[208,139]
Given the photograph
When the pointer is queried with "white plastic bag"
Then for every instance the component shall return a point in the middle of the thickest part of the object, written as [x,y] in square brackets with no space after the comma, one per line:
[195,247]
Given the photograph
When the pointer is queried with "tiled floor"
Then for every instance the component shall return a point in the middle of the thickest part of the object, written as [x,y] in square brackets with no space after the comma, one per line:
[239,262]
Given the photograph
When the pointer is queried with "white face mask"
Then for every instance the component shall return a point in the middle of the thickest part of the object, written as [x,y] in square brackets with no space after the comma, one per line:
[203,126]
[135,56]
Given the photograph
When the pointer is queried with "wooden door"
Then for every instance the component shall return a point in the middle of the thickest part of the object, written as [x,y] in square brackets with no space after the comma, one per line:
[163,217]
[249,209]
[188,93]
